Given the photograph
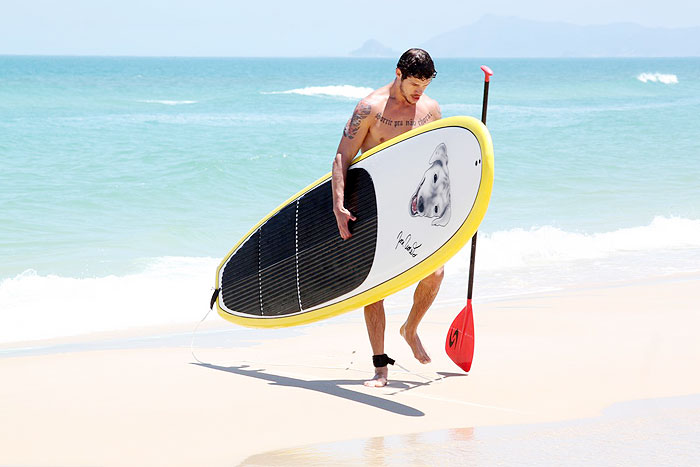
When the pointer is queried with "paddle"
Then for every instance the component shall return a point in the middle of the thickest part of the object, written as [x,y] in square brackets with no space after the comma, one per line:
[459,344]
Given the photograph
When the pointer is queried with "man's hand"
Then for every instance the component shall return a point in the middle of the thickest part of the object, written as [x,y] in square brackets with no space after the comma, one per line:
[342,217]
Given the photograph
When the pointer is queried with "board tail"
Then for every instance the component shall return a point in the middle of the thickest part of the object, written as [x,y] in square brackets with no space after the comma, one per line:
[459,344]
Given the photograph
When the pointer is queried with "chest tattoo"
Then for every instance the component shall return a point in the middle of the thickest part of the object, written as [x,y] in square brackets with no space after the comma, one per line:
[400,123]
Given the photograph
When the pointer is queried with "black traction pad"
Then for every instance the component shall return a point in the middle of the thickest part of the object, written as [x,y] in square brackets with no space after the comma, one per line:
[297,260]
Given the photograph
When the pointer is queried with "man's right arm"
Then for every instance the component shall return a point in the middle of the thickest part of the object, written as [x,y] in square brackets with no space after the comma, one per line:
[354,135]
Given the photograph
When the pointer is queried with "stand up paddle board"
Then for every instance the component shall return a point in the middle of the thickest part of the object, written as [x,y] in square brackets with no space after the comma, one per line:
[418,199]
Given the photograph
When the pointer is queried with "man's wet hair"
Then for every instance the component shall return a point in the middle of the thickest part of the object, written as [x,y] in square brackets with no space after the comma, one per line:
[416,63]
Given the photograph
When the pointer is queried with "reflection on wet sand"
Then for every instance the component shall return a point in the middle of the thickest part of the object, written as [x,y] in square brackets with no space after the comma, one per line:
[640,433]
[408,449]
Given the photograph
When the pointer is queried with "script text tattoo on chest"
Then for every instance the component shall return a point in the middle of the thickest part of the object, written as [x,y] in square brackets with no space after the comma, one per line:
[353,126]
[397,123]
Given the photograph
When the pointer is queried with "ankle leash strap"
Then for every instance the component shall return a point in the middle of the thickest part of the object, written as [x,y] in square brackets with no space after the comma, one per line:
[382,360]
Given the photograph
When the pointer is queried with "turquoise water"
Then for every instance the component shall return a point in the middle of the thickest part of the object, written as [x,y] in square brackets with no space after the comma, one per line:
[125,176]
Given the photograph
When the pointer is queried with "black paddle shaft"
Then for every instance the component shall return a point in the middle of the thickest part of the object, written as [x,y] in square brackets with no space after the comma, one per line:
[484,105]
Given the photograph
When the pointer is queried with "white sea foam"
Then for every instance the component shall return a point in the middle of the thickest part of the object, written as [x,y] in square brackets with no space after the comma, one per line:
[167,102]
[518,261]
[658,78]
[345,90]
[519,247]
[177,289]
[170,290]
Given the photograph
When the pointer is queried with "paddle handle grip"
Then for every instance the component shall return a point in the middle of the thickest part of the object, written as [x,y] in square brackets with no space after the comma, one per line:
[487,71]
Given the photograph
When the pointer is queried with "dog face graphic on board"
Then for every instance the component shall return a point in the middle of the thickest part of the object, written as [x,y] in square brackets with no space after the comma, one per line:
[432,198]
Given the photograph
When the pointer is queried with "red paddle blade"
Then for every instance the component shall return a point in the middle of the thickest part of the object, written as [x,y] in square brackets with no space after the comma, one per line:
[459,344]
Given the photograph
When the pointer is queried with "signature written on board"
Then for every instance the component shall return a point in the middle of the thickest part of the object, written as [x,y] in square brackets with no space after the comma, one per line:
[406,243]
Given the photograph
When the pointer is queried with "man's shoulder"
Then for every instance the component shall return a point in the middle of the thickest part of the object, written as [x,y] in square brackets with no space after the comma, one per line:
[429,102]
[431,106]
[378,97]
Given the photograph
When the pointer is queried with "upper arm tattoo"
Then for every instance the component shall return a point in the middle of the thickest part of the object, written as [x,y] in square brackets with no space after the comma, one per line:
[361,112]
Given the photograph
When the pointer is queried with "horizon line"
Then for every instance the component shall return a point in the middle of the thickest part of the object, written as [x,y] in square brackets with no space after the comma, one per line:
[442,57]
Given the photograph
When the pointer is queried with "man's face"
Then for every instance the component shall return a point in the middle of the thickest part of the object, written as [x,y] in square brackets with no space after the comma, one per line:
[412,88]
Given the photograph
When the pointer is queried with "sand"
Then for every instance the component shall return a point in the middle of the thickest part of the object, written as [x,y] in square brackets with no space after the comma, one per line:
[542,358]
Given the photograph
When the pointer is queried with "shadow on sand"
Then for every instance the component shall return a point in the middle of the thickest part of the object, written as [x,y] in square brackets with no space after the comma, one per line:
[330,387]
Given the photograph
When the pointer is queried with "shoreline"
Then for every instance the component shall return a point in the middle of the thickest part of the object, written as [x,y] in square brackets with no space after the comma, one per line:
[163,334]
[548,357]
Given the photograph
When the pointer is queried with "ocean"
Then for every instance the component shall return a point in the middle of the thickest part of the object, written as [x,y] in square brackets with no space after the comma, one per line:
[124,181]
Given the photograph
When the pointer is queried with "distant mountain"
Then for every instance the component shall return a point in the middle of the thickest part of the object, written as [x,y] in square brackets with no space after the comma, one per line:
[498,36]
[373,48]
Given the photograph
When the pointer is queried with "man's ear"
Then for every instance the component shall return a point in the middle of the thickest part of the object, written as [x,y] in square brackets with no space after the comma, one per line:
[440,154]
[398,74]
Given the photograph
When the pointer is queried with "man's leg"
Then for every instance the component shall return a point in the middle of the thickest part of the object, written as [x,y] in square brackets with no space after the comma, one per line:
[423,297]
[375,320]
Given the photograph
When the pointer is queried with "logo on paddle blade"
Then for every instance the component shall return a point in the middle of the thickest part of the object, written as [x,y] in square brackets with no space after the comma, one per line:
[454,337]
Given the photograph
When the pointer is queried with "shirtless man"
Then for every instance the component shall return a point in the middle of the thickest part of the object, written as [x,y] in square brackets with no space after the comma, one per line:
[387,112]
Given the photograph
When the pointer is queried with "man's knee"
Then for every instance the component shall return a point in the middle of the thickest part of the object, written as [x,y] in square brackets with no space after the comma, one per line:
[376,307]
[435,279]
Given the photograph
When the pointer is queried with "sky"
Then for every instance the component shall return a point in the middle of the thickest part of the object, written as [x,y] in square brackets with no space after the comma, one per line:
[284,28]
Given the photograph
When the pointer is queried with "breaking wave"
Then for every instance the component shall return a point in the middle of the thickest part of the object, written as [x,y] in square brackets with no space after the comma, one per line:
[167,102]
[658,78]
[174,290]
[345,90]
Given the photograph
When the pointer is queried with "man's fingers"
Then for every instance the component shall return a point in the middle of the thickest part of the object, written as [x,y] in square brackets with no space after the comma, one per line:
[343,217]
[345,233]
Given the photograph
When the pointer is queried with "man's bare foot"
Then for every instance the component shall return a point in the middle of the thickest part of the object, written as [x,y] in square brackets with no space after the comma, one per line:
[380,378]
[415,344]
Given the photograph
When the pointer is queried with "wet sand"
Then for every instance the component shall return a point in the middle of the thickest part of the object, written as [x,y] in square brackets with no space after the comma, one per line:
[650,432]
